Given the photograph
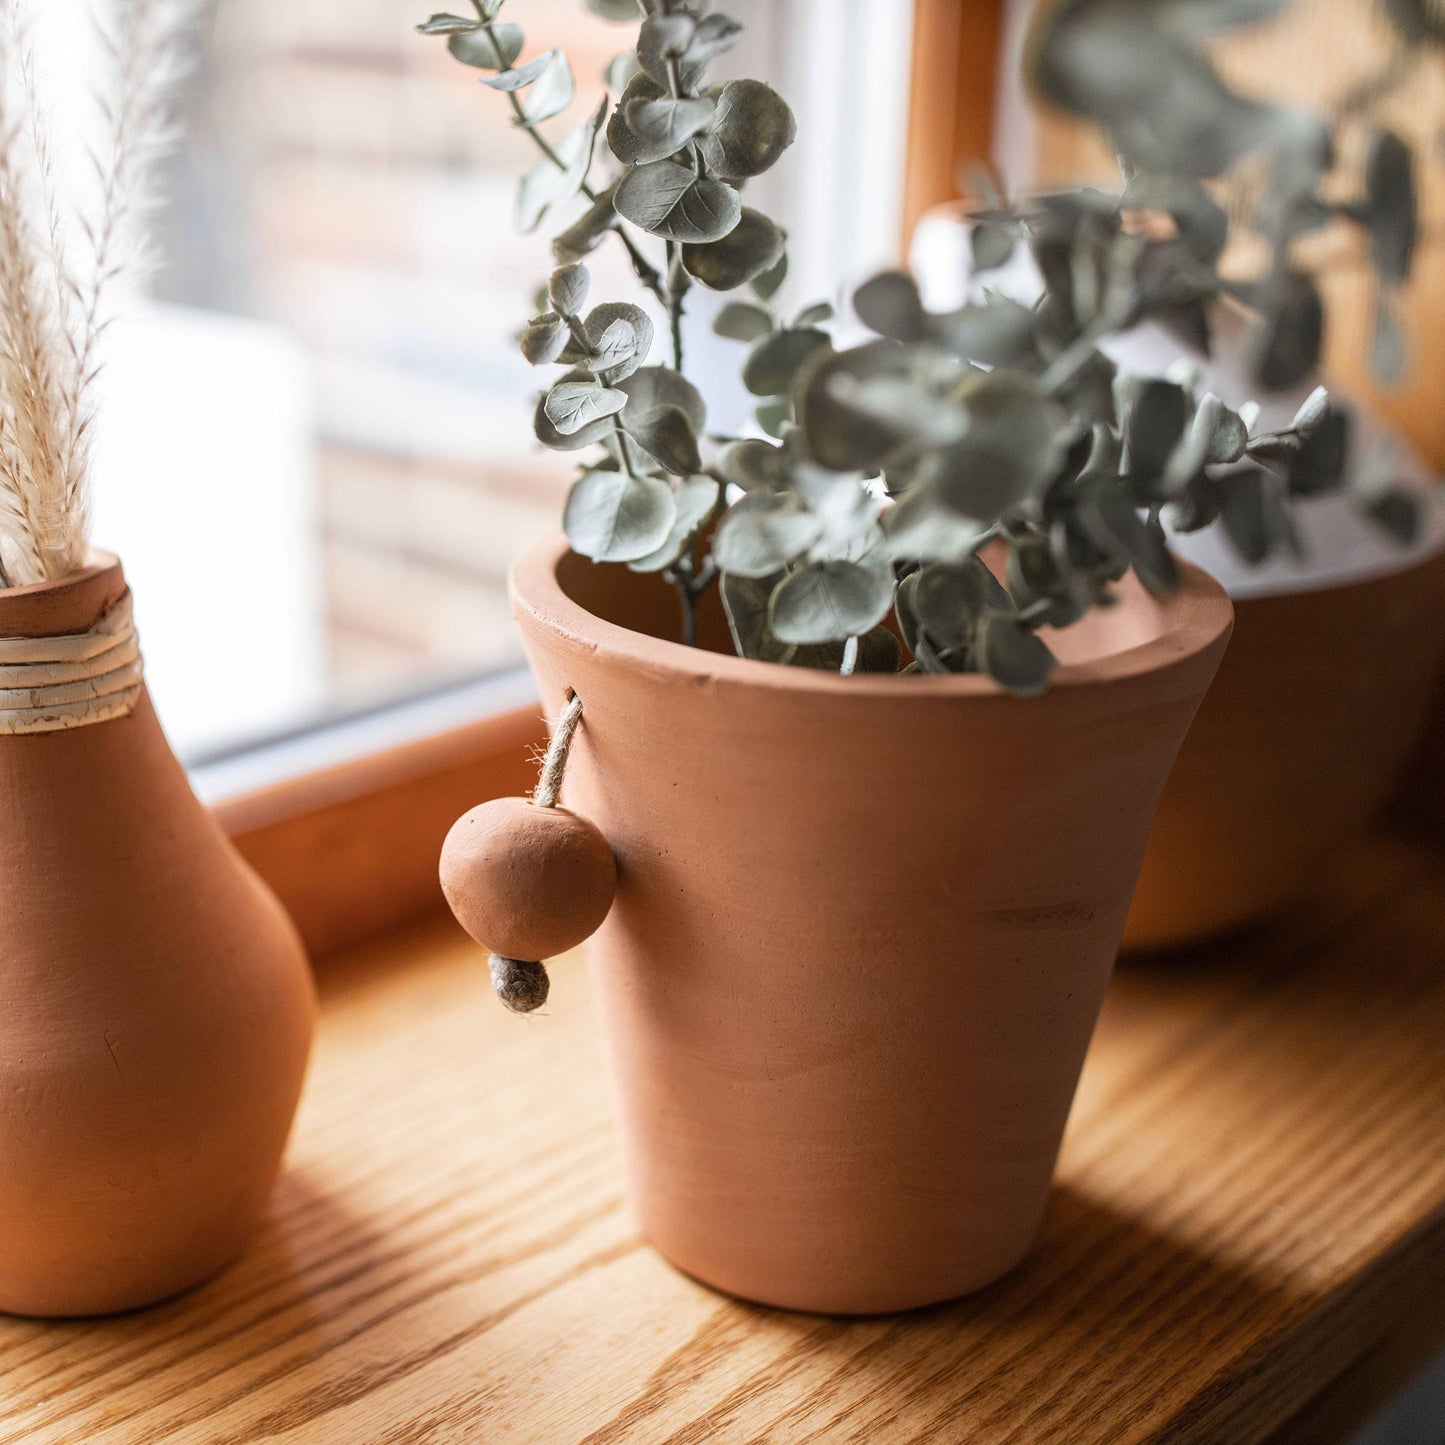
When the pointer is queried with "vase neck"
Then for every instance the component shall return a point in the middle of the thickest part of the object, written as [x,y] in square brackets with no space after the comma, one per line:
[69,656]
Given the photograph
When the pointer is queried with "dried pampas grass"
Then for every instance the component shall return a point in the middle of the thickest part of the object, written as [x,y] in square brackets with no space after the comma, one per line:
[60,267]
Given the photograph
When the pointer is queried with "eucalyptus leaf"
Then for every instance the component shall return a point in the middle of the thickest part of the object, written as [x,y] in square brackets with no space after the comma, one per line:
[1111,519]
[991,245]
[831,601]
[612,517]
[949,598]
[1399,513]
[668,200]
[572,405]
[548,184]
[666,434]
[1313,411]
[996,332]
[838,437]
[754,466]
[776,360]
[921,528]
[663,40]
[1254,520]
[751,127]
[890,305]
[1317,467]
[715,34]
[1015,657]
[818,314]
[655,386]
[1391,206]
[619,337]
[763,534]
[766,286]
[752,247]
[618,12]
[585,436]
[475,47]
[878,652]
[1154,423]
[1010,450]
[520,75]
[666,124]
[1287,349]
[586,233]
[621,69]
[1388,352]
[745,600]
[444,24]
[554,90]
[624,142]
[544,339]
[775,417]
[1228,435]
[697,499]
[567,289]
[743,321]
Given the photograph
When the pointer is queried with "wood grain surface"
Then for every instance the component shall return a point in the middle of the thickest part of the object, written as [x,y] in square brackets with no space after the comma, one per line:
[1253,1189]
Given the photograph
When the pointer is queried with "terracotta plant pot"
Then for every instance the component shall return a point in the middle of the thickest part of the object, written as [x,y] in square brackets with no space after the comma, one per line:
[1316,708]
[862,931]
[156,1007]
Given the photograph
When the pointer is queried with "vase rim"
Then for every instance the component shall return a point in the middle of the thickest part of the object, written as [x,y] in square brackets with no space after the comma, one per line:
[1195,620]
[62,605]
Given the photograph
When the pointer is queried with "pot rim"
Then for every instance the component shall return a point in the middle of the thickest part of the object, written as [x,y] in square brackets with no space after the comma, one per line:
[1197,618]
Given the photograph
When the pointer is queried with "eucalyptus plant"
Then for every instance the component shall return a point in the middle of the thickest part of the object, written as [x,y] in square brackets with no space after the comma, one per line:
[880,473]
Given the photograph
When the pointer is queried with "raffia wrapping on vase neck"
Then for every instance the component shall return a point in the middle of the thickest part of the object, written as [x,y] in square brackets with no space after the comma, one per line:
[52,684]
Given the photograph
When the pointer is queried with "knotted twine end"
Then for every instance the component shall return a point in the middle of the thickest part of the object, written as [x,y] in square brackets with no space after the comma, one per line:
[522,984]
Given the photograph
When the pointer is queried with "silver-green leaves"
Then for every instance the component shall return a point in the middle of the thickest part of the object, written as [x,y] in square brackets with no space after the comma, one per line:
[831,601]
[494,48]
[669,200]
[614,517]
[966,479]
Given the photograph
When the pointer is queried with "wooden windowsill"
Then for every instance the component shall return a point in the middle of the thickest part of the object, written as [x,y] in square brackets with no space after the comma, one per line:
[1252,1191]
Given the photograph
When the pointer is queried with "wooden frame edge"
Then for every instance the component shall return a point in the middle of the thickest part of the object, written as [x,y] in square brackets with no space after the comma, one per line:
[351,850]
[952,99]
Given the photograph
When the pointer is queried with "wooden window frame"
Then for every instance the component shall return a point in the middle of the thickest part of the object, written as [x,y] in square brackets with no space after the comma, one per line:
[952,100]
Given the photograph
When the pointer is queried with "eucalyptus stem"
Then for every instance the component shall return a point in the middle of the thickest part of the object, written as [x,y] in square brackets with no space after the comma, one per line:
[647,274]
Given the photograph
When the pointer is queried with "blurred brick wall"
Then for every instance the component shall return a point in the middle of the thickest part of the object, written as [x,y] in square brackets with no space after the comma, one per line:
[350,182]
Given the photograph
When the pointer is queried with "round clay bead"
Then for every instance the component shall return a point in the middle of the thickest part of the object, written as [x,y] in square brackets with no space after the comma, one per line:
[527,882]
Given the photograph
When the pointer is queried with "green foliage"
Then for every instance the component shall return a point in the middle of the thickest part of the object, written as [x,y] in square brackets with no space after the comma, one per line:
[971,477]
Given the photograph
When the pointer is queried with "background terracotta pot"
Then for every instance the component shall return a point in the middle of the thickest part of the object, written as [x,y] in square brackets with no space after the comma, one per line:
[156,1009]
[862,930]
[1316,708]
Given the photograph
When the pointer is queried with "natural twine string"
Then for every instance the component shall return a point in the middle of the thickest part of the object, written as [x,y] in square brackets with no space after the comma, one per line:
[53,684]
[522,984]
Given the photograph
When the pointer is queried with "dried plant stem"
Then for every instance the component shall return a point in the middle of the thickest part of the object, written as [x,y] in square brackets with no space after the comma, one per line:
[37,430]
[51,317]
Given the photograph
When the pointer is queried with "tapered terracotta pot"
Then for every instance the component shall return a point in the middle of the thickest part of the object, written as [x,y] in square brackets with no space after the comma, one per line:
[156,1007]
[862,930]
[1317,706]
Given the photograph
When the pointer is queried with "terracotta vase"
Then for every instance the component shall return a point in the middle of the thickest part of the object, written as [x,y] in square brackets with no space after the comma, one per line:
[1316,708]
[156,1007]
[862,930]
